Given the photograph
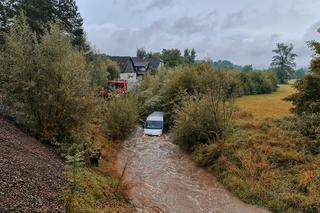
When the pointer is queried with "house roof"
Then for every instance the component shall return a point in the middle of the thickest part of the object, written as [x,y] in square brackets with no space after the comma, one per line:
[152,62]
[138,62]
[155,62]
[125,63]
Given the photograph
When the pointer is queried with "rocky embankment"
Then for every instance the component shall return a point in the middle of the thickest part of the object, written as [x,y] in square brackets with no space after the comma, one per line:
[31,173]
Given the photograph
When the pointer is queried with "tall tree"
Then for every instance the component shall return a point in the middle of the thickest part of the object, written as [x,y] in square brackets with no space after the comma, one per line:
[189,56]
[186,55]
[171,57]
[39,14]
[141,53]
[193,55]
[72,22]
[283,62]
[247,68]
[8,9]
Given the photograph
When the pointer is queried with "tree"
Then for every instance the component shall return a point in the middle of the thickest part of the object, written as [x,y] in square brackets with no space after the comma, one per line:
[141,53]
[193,55]
[247,68]
[44,82]
[189,56]
[72,22]
[186,55]
[306,101]
[283,62]
[171,57]
[8,9]
[39,14]
[113,70]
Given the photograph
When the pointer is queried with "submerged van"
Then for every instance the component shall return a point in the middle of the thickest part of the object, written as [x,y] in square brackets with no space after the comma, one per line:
[154,124]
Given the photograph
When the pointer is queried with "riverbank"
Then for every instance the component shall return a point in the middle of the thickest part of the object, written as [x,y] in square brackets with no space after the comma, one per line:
[264,160]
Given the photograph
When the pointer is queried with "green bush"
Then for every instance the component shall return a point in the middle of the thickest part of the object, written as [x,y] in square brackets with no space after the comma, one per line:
[169,88]
[102,70]
[44,82]
[119,116]
[202,120]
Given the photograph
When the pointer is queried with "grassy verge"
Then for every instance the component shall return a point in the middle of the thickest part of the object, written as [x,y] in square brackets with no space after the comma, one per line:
[267,163]
[99,189]
[265,160]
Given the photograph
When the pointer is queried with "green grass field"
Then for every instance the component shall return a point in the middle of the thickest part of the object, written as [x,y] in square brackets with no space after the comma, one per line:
[267,105]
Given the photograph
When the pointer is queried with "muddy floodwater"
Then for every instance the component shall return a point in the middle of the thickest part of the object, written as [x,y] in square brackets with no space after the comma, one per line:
[161,178]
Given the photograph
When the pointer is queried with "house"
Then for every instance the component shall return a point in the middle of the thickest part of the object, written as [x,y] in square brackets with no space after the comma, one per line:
[127,68]
[134,68]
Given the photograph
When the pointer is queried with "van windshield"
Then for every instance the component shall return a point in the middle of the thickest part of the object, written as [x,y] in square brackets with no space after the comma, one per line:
[153,125]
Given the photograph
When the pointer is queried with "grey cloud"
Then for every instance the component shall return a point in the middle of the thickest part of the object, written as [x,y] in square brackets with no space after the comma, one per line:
[234,20]
[244,33]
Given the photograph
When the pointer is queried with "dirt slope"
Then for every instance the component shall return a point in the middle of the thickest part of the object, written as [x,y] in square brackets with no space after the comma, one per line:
[31,174]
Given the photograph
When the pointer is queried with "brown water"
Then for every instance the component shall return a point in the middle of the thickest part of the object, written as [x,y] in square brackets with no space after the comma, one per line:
[162,179]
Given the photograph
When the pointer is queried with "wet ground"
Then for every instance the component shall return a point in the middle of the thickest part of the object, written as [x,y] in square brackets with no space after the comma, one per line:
[163,179]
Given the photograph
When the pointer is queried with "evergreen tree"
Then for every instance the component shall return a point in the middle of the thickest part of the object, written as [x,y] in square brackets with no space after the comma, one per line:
[39,14]
[72,22]
[8,9]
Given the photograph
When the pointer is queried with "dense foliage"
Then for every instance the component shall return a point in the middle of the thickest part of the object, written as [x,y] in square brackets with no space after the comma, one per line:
[43,82]
[202,120]
[119,116]
[307,99]
[41,13]
[102,70]
[167,90]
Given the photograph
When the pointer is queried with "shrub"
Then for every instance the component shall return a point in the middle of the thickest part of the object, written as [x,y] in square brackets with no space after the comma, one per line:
[101,70]
[119,116]
[167,90]
[309,125]
[43,83]
[202,120]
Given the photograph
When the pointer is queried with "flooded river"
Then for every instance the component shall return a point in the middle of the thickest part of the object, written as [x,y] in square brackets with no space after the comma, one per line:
[162,179]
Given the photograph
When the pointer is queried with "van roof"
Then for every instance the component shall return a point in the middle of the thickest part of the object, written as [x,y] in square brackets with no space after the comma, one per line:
[155,116]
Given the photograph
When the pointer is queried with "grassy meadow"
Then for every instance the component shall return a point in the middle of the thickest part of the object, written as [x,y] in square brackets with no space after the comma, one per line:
[267,105]
[265,160]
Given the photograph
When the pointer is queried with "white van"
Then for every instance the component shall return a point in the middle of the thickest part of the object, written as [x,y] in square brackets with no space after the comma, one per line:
[154,124]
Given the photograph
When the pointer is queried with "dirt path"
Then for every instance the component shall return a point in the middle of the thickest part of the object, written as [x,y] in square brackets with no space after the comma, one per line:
[31,174]
[160,176]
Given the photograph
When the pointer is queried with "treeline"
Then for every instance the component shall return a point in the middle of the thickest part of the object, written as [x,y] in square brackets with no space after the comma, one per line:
[39,15]
[167,90]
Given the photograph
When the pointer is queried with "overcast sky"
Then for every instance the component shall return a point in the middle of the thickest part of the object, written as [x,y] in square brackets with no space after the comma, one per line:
[243,31]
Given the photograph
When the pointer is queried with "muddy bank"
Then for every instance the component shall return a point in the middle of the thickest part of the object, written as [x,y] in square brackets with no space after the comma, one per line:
[31,174]
[161,177]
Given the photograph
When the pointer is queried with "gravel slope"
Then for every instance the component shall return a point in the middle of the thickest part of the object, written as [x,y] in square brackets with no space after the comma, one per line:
[31,174]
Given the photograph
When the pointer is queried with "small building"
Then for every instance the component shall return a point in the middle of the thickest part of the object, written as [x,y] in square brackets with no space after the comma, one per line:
[134,68]
[127,68]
